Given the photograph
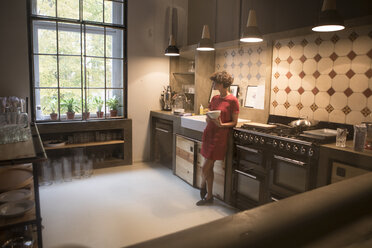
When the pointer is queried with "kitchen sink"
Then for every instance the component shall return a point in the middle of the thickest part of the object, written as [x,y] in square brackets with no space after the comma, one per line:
[198,122]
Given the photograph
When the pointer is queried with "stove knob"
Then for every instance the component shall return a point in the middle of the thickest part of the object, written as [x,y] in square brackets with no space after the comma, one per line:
[256,139]
[250,137]
[281,145]
[295,148]
[240,136]
[275,143]
[311,152]
[262,141]
[288,147]
[236,134]
[303,150]
[245,136]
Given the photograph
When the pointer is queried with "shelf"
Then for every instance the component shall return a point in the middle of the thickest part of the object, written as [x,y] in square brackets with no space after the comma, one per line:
[184,73]
[28,218]
[102,143]
[109,163]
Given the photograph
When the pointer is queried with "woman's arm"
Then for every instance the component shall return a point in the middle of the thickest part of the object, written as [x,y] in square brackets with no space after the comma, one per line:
[227,124]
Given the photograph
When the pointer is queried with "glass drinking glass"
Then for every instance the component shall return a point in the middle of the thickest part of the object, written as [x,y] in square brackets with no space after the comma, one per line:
[341,137]
[46,173]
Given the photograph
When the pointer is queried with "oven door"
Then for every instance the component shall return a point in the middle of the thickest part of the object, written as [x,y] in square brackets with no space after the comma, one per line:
[248,189]
[250,158]
[289,176]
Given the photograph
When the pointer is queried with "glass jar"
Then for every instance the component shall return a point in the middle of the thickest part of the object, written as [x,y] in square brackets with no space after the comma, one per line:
[179,104]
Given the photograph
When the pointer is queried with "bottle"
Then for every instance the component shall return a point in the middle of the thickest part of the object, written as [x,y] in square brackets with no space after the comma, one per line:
[201,109]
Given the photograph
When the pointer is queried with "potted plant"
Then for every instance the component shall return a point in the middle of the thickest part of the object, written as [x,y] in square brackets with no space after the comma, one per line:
[53,106]
[86,113]
[70,105]
[114,105]
[98,102]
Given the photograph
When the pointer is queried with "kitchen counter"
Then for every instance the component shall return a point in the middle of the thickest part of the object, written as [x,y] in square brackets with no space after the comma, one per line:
[349,148]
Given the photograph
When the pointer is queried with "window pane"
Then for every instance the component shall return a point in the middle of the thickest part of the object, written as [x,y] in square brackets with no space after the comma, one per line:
[68,9]
[70,100]
[46,37]
[69,71]
[45,71]
[95,75]
[93,10]
[96,102]
[114,96]
[47,102]
[113,12]
[45,8]
[95,41]
[69,39]
[114,73]
[114,43]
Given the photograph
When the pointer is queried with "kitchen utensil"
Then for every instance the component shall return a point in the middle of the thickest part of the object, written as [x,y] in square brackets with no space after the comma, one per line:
[303,123]
[214,114]
[341,137]
[360,134]
[325,132]
[15,209]
[15,178]
[15,195]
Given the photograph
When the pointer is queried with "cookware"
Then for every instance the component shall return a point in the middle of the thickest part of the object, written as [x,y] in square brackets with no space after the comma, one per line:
[303,123]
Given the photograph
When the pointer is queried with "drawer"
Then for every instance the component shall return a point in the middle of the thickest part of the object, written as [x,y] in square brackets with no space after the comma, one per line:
[185,159]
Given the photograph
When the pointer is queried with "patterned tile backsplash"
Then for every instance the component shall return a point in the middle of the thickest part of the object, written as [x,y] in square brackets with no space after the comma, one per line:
[325,77]
[247,64]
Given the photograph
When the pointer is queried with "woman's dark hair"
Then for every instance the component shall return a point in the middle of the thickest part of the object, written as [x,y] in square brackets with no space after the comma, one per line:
[222,78]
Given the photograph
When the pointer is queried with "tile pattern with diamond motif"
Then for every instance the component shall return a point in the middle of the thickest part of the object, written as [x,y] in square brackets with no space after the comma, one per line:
[339,79]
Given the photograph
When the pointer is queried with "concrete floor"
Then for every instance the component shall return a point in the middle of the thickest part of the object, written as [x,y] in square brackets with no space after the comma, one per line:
[121,206]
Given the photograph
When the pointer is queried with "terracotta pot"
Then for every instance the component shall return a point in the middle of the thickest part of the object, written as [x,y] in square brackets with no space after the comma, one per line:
[86,115]
[54,116]
[113,113]
[70,115]
[100,114]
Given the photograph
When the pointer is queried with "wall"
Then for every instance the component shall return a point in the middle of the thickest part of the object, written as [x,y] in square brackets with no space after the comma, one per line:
[14,76]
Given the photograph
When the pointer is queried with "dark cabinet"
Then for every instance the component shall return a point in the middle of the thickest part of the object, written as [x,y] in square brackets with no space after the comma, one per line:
[163,142]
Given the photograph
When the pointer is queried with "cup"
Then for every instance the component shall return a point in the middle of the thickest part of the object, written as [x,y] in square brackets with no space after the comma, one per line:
[341,137]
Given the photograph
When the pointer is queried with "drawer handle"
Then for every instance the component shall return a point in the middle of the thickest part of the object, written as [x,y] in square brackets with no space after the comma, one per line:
[245,174]
[162,130]
[274,199]
[288,160]
[247,149]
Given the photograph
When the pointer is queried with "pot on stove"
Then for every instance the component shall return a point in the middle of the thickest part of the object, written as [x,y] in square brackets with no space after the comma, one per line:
[304,122]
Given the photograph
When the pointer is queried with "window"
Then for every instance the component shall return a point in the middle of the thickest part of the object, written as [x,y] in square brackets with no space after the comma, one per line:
[78,59]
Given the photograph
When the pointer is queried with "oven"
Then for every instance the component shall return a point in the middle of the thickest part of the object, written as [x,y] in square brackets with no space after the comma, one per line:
[250,158]
[290,175]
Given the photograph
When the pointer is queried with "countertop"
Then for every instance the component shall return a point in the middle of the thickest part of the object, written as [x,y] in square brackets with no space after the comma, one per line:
[348,148]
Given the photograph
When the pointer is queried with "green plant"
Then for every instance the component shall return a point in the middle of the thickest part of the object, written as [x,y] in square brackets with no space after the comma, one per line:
[98,102]
[70,105]
[113,103]
[89,103]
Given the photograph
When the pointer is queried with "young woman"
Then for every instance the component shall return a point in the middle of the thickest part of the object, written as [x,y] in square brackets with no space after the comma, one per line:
[214,142]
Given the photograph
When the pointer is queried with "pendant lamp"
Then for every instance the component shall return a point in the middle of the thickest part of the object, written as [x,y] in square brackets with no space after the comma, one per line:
[172,50]
[205,43]
[251,33]
[329,20]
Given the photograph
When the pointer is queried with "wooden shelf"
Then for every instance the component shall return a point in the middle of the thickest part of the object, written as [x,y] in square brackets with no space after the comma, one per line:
[67,146]
[184,73]
[28,218]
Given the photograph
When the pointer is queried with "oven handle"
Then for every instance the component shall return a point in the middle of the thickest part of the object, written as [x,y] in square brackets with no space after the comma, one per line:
[247,149]
[162,130]
[245,174]
[292,161]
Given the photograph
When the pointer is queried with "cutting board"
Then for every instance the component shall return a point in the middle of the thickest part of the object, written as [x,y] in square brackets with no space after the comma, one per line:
[260,125]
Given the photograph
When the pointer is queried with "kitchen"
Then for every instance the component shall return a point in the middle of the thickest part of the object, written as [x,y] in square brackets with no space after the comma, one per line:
[149,70]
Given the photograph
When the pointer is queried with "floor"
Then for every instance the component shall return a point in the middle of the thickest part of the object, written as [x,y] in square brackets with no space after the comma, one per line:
[121,206]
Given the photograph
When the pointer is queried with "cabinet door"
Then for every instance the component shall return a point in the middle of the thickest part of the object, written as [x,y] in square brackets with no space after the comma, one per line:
[342,171]
[219,174]
[185,159]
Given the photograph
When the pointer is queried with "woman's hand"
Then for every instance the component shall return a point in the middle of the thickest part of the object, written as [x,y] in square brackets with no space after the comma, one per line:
[217,121]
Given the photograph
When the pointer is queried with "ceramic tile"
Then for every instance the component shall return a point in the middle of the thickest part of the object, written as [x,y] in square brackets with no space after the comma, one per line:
[281,97]
[303,58]
[314,107]
[332,74]
[333,56]
[322,99]
[331,91]
[308,82]
[294,82]
[335,38]
[369,54]
[326,35]
[321,114]
[283,67]
[301,90]
[315,90]
[306,112]
[346,110]
[275,53]
[293,97]
[282,83]
[357,101]
[366,112]
[362,45]
[359,83]
[284,52]
[367,92]
[286,104]
[361,64]
[310,50]
[343,47]
[351,55]
[342,65]
[348,92]
[307,98]
[338,100]
[350,73]
[280,110]
[323,83]
[353,36]
[299,106]
[329,108]
[354,117]
[254,57]
[297,51]
[262,70]
[254,70]
[317,57]
[295,67]
[309,66]
[318,41]
[326,48]
[368,73]
[316,74]
[325,65]
[337,116]
[272,110]
[302,74]
[293,111]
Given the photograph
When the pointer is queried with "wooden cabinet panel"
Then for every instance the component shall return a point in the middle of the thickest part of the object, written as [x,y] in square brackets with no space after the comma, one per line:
[185,159]
[219,174]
